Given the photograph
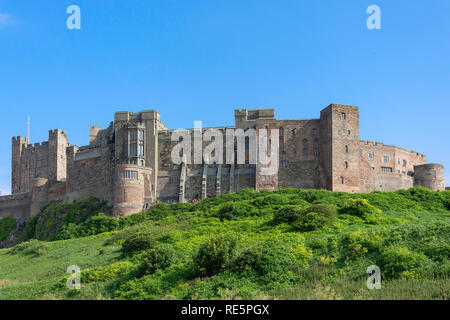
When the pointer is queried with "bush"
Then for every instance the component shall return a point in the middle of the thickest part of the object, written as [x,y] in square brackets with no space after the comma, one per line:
[360,243]
[137,242]
[287,214]
[315,217]
[214,255]
[230,210]
[269,260]
[271,200]
[359,207]
[34,247]
[226,211]
[158,258]
[396,262]
[7,225]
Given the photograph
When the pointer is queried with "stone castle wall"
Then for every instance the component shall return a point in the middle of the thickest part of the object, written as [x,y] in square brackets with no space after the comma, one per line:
[129,163]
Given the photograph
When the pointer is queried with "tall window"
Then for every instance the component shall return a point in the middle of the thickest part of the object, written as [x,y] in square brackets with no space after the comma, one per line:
[346,149]
[316,148]
[346,164]
[343,115]
[386,159]
[283,160]
[281,139]
[133,149]
[342,180]
[305,147]
[404,163]
[141,149]
[313,132]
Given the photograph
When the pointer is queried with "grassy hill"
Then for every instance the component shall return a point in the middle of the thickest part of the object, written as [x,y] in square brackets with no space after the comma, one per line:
[286,244]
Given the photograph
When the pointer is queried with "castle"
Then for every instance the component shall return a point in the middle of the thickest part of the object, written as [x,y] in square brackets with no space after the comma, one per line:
[129,163]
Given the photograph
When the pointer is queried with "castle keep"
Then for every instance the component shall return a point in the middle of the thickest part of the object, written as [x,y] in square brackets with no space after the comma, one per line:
[129,163]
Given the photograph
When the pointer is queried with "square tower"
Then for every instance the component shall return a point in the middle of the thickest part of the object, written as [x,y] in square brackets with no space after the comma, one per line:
[340,139]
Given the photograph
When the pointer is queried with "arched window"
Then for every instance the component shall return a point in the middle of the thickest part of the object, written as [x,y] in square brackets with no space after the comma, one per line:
[346,149]
[346,164]
[342,180]
[294,131]
[305,147]
[281,132]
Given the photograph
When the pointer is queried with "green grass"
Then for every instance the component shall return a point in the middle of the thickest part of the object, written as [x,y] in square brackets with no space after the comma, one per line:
[26,276]
[405,233]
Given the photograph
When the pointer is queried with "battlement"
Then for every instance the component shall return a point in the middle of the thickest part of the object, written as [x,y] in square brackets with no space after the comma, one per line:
[56,132]
[256,114]
[381,144]
[142,115]
[20,140]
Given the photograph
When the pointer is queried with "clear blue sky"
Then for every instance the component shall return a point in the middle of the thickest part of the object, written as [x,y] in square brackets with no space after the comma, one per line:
[199,60]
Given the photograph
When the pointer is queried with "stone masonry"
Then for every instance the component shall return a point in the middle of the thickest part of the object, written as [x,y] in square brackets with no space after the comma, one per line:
[129,163]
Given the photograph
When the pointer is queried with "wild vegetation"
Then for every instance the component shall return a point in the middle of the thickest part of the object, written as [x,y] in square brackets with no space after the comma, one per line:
[286,244]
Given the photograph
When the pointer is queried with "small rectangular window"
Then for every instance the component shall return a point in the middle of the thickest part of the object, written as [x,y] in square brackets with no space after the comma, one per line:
[386,159]
[404,163]
[174,180]
[343,115]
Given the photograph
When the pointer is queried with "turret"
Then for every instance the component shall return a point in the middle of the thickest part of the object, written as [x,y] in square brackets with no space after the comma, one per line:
[39,195]
[430,176]
[132,189]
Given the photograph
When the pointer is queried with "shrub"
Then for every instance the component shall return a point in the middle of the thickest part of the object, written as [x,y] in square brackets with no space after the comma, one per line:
[287,214]
[271,200]
[7,225]
[359,207]
[315,217]
[303,255]
[137,242]
[396,262]
[32,247]
[214,255]
[359,243]
[226,211]
[230,210]
[158,258]
[268,260]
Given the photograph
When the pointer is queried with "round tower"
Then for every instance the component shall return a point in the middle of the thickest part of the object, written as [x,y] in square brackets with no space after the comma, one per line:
[39,195]
[430,176]
[132,189]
